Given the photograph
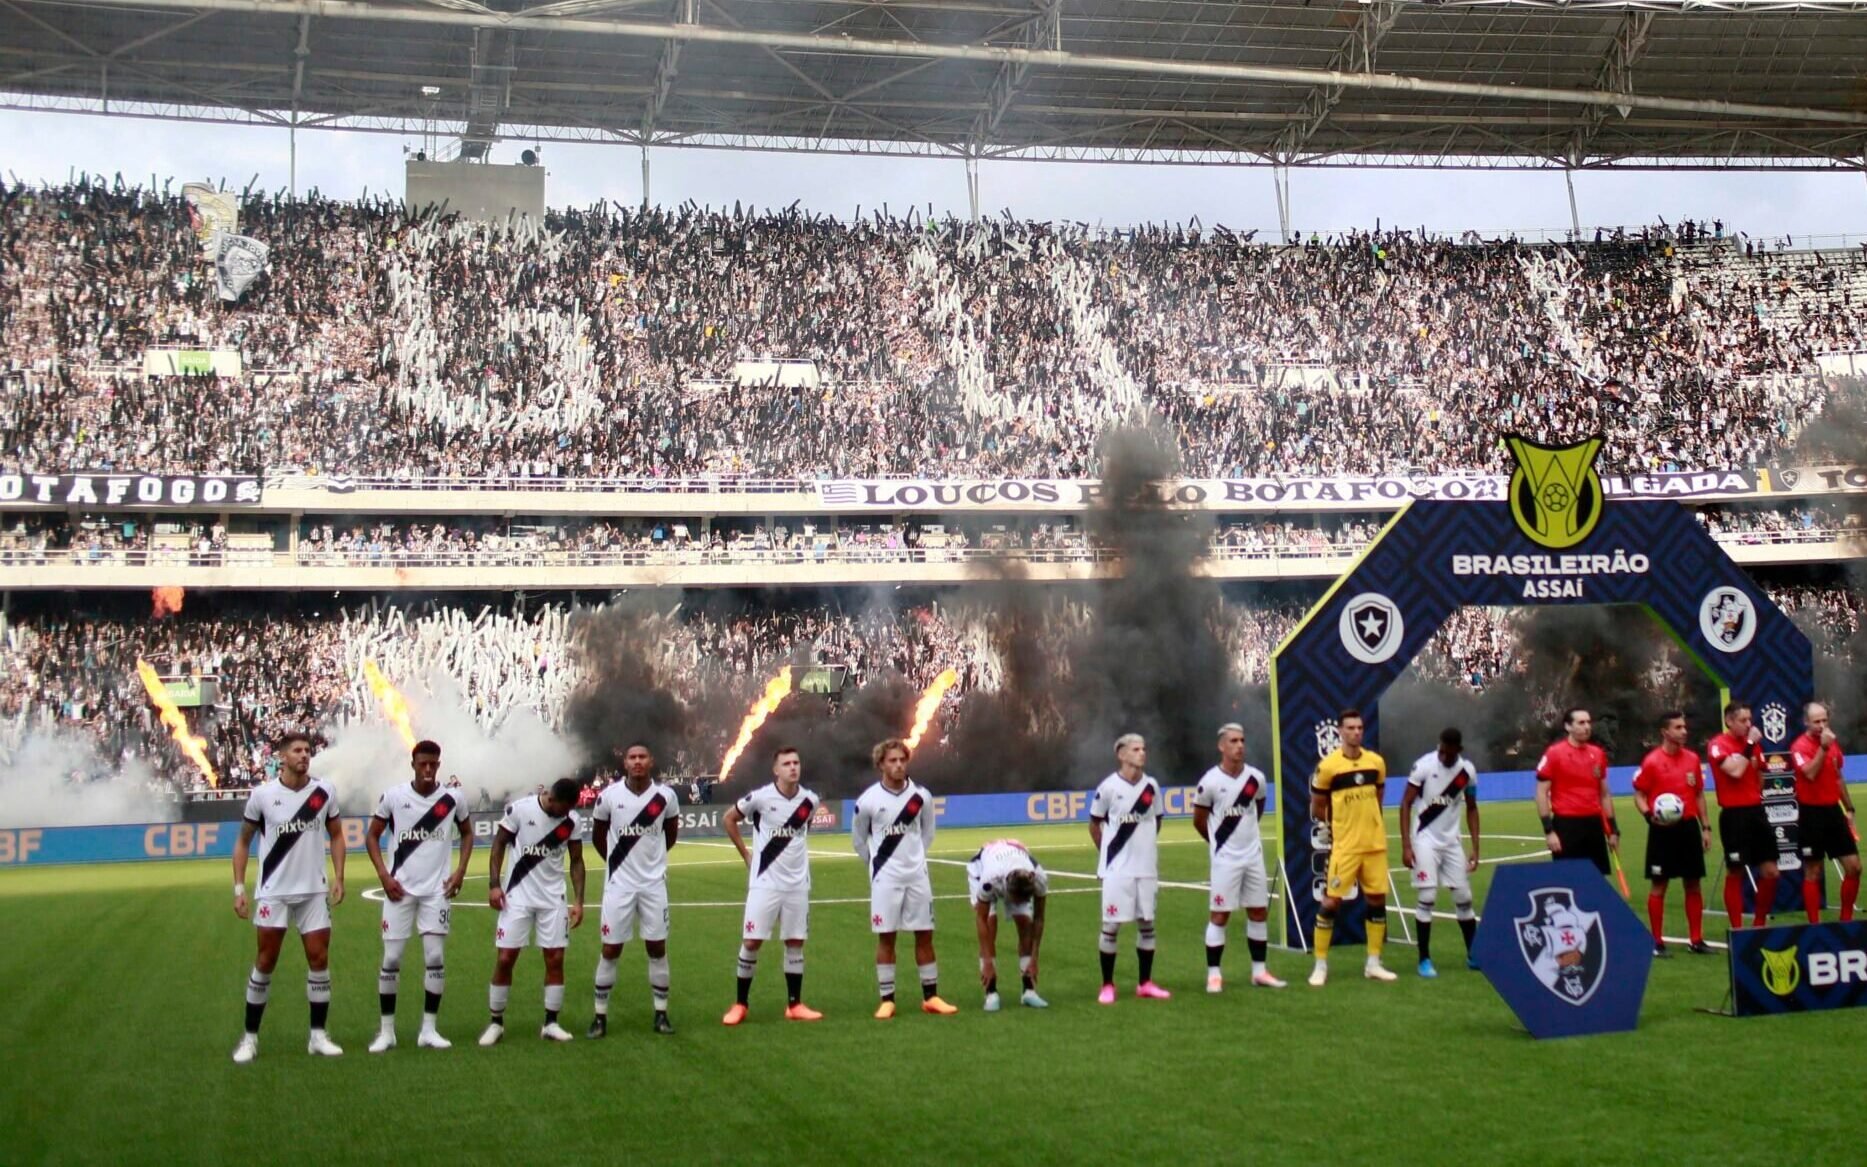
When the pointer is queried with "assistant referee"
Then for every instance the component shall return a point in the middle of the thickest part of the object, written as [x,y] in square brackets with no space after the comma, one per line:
[1572,795]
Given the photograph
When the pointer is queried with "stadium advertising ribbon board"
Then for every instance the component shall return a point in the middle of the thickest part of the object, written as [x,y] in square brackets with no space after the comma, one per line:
[1799,968]
[1565,952]
[1557,536]
[126,489]
[1290,493]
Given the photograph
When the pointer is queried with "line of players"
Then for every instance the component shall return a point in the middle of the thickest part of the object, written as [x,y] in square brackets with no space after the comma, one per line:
[635,823]
[418,825]
[1578,814]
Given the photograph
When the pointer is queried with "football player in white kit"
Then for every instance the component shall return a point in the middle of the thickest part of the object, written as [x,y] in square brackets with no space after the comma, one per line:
[1129,801]
[292,892]
[778,891]
[422,819]
[1429,839]
[1004,878]
[635,823]
[530,898]
[893,828]
[1227,806]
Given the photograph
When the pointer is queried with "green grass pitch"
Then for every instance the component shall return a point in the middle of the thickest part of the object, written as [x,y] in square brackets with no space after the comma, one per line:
[121,990]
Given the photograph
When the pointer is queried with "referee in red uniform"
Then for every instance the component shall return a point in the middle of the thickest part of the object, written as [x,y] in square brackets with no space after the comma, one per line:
[1572,795]
[1827,830]
[1744,831]
[1674,850]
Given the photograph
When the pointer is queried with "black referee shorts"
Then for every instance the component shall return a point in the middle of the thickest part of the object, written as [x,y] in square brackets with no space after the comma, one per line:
[1583,837]
[1824,833]
[1675,852]
[1746,836]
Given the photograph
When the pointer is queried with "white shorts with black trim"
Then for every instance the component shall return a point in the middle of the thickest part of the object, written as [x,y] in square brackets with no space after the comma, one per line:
[1129,897]
[411,914]
[1439,865]
[522,927]
[1239,885]
[770,909]
[627,911]
[306,913]
[901,907]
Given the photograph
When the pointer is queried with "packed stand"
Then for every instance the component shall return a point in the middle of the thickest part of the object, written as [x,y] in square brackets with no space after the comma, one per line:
[615,343]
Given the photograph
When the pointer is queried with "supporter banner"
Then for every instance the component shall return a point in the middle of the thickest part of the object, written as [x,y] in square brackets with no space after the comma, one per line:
[114,491]
[1799,968]
[1247,494]
[185,362]
[210,210]
[238,260]
[1564,951]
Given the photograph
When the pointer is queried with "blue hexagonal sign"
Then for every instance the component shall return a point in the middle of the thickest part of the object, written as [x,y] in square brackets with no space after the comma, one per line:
[1564,951]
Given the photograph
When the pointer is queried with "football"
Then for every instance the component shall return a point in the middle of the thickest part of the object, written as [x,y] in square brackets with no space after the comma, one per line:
[1668,809]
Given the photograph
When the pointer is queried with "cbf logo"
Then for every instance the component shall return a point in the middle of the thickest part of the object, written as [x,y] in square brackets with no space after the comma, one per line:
[1775,721]
[1563,945]
[1328,737]
[1555,494]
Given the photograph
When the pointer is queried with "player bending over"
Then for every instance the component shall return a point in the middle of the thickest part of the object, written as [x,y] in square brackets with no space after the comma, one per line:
[1003,879]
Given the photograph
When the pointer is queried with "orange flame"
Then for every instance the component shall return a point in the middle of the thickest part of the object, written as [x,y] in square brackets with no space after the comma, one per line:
[167,601]
[929,705]
[194,747]
[393,706]
[775,692]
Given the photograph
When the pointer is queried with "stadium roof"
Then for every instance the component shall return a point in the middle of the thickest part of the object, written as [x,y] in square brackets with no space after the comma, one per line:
[1510,83]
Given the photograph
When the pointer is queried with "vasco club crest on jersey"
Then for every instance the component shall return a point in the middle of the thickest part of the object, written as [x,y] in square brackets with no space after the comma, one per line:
[1564,946]
[1555,494]
[1371,628]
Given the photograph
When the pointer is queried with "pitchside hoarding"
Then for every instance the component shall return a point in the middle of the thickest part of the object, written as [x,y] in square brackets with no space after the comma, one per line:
[1798,968]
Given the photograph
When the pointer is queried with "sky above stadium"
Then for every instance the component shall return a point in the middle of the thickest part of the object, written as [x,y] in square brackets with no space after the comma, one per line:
[45,147]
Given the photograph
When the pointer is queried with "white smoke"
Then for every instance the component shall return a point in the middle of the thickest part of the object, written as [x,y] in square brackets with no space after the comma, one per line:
[56,777]
[367,757]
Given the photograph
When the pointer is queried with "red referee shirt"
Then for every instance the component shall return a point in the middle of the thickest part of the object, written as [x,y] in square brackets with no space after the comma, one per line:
[1825,789]
[1664,773]
[1574,776]
[1732,792]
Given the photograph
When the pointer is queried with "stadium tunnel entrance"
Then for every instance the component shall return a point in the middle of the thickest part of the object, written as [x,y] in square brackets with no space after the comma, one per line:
[1435,557]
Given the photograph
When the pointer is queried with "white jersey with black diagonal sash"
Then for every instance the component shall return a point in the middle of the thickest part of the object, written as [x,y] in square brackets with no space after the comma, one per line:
[1442,790]
[892,832]
[637,834]
[420,835]
[1131,827]
[780,837]
[1234,803]
[534,876]
[292,825]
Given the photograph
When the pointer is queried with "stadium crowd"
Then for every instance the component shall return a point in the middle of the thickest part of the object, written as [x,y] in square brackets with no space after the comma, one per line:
[614,342]
[293,664]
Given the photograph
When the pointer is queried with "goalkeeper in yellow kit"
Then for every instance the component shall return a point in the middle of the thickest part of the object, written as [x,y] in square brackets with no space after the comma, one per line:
[1346,794]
